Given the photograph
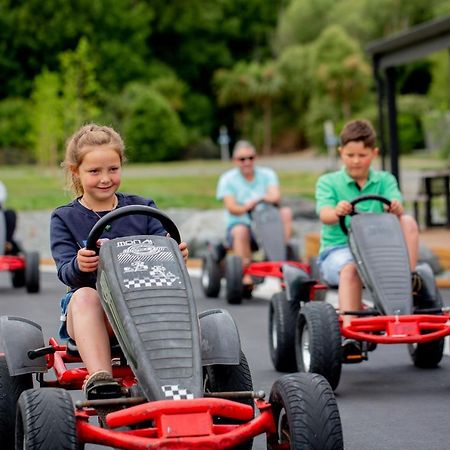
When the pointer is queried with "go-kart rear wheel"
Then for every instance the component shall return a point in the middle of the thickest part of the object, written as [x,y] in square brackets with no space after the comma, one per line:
[428,355]
[233,276]
[32,276]
[211,276]
[46,419]
[227,378]
[318,341]
[10,390]
[305,414]
[18,278]
[282,321]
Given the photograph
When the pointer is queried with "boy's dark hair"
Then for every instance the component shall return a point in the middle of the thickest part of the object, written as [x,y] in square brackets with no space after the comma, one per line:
[359,131]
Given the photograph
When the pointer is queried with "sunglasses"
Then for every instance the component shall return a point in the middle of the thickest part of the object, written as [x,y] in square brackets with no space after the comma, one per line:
[245,158]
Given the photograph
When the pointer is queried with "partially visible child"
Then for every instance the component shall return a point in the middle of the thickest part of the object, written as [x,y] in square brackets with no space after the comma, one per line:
[334,191]
[93,164]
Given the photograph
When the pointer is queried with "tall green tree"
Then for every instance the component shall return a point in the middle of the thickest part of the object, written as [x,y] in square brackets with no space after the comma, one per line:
[33,33]
[46,118]
[340,71]
[80,89]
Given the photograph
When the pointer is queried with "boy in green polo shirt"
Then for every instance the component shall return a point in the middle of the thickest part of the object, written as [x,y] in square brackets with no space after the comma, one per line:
[334,191]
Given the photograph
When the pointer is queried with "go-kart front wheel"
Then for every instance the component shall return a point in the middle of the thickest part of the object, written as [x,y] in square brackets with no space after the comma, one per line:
[318,342]
[10,390]
[282,322]
[427,355]
[230,378]
[305,413]
[32,275]
[211,276]
[233,277]
[46,419]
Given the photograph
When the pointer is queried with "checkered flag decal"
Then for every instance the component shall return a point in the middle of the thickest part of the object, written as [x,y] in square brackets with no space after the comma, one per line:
[174,392]
[159,277]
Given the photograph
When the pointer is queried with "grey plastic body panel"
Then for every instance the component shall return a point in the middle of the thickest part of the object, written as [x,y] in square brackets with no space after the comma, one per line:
[269,232]
[381,256]
[17,337]
[297,283]
[220,340]
[2,232]
[148,298]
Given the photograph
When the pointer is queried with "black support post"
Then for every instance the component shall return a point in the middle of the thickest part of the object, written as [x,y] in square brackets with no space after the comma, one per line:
[392,122]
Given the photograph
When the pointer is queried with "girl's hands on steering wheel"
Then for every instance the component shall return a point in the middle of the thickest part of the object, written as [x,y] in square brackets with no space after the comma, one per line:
[184,250]
[87,260]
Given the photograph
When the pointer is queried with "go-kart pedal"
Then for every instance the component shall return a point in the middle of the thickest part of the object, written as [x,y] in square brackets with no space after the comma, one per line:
[352,351]
[247,290]
[101,385]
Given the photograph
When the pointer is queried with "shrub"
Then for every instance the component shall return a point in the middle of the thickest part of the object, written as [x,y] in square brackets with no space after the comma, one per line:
[152,129]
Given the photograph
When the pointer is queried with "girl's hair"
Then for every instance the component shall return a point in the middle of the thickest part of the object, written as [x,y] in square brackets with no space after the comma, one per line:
[78,145]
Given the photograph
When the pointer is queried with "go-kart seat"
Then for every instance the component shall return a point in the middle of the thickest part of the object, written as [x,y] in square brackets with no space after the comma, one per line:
[116,351]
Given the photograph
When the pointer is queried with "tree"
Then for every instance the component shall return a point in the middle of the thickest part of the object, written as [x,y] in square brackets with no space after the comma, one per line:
[34,33]
[267,86]
[340,71]
[152,129]
[80,89]
[235,87]
[46,124]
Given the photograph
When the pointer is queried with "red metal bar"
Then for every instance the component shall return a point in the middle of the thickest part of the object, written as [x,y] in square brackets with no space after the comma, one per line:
[12,262]
[215,437]
[398,329]
[272,268]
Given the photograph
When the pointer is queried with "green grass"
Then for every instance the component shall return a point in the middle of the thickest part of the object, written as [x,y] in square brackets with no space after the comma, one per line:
[181,185]
[187,184]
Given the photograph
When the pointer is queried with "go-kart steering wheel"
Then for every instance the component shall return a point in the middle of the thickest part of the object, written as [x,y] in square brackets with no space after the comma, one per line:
[359,199]
[167,223]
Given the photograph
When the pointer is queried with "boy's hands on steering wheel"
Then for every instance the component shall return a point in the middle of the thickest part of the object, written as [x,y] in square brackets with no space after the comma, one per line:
[396,208]
[343,208]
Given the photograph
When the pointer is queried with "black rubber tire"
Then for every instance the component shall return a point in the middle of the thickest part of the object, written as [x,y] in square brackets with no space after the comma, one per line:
[305,413]
[10,390]
[227,378]
[46,419]
[282,321]
[233,276]
[18,278]
[428,355]
[32,274]
[318,342]
[211,276]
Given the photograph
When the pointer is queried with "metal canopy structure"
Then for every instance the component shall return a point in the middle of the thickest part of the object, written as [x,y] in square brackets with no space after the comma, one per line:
[387,54]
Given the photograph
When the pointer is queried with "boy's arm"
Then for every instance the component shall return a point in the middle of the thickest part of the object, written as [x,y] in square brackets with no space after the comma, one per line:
[328,205]
[330,215]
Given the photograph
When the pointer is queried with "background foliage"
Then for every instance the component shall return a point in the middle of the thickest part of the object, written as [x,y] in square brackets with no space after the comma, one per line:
[169,74]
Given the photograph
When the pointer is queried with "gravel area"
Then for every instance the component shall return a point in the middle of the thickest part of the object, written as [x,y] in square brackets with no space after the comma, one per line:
[196,227]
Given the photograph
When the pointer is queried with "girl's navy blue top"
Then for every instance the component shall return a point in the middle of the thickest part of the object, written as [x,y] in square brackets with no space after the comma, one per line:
[70,226]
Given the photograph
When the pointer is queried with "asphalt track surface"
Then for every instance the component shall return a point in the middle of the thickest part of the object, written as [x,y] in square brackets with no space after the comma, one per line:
[385,403]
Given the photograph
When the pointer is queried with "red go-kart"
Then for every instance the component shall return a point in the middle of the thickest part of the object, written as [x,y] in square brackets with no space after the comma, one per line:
[306,333]
[185,381]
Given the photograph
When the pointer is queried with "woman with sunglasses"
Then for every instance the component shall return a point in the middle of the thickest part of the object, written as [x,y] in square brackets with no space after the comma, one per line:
[241,189]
